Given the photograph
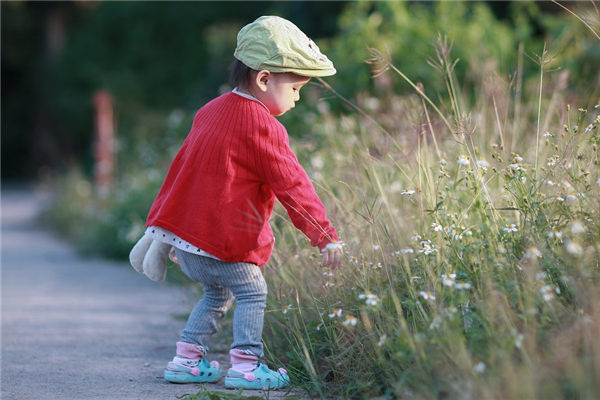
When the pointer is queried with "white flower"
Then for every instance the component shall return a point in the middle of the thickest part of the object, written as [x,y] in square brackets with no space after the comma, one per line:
[377,266]
[577,227]
[540,276]
[463,285]
[319,326]
[407,192]
[551,162]
[550,183]
[382,340]
[354,259]
[407,250]
[336,313]
[510,228]
[287,308]
[317,162]
[554,234]
[371,299]
[548,291]
[517,158]
[328,273]
[376,247]
[574,248]
[436,227]
[589,128]
[428,248]
[463,160]
[519,341]
[415,278]
[483,164]
[448,280]
[427,295]
[532,253]
[351,320]
[571,196]
[479,367]
[548,134]
[416,236]
[559,197]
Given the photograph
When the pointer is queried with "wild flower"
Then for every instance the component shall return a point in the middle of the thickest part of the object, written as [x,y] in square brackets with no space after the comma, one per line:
[479,367]
[463,285]
[329,284]
[577,227]
[407,192]
[552,161]
[436,227]
[353,259]
[287,308]
[519,340]
[463,160]
[376,247]
[376,266]
[509,228]
[548,292]
[428,247]
[444,173]
[483,164]
[540,276]
[559,197]
[550,183]
[382,340]
[415,236]
[320,326]
[415,278]
[589,128]
[371,299]
[517,158]
[427,295]
[351,320]
[574,248]
[448,280]
[329,273]
[336,313]
[548,134]
[532,253]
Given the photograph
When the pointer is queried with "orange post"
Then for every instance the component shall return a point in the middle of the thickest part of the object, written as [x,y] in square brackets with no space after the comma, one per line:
[104,139]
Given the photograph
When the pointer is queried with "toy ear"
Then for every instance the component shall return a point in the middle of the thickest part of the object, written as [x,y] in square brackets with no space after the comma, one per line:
[155,261]
[137,254]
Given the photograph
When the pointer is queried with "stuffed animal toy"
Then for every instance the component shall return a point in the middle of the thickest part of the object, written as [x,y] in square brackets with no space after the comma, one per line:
[149,257]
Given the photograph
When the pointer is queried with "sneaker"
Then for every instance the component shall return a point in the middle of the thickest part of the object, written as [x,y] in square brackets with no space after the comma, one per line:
[261,378]
[192,371]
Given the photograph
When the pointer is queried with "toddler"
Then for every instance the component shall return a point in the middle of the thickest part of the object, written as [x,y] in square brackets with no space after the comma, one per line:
[216,200]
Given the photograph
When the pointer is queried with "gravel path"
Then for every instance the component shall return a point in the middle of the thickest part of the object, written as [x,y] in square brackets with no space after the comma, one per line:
[79,328]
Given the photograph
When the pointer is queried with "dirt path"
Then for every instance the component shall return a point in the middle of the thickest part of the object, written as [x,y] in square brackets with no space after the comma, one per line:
[78,328]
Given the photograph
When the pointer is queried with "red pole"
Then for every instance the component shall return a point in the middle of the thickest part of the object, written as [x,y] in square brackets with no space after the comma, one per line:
[103,142]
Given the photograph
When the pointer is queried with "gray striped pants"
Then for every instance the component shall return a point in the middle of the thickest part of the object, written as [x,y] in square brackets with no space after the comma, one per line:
[222,283]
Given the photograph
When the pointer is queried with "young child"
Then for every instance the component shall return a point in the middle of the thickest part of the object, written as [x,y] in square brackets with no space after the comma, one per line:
[216,200]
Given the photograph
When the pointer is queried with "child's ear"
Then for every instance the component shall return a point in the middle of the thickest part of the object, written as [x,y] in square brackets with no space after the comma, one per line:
[261,79]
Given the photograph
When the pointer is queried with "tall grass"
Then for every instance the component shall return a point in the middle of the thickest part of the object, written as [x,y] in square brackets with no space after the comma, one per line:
[472,238]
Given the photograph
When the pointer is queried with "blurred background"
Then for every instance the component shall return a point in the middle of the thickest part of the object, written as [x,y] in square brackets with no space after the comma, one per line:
[141,70]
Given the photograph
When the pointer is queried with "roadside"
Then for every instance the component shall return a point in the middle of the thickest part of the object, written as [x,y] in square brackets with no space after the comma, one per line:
[79,328]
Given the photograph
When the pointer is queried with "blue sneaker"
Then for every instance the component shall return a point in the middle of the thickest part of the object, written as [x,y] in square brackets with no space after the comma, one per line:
[261,378]
[190,371]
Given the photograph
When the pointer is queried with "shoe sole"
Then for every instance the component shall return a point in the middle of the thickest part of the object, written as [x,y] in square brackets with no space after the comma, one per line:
[234,383]
[184,377]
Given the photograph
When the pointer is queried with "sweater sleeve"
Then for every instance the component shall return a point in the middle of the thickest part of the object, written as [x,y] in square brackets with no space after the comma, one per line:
[279,168]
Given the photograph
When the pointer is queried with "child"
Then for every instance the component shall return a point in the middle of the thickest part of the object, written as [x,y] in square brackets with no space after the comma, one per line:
[216,200]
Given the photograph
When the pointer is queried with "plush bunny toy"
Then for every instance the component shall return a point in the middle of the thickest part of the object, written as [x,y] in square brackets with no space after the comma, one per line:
[149,257]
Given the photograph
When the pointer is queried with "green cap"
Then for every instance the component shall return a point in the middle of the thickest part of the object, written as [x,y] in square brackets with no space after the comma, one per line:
[277,45]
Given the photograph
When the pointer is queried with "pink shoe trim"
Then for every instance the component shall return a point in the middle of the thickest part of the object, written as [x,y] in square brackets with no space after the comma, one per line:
[238,356]
[214,363]
[282,371]
[189,350]
[195,371]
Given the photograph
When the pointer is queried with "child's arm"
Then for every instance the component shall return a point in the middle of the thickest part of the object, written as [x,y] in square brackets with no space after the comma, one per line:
[290,183]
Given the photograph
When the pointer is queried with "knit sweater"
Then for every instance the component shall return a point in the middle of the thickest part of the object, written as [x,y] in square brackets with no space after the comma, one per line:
[221,187]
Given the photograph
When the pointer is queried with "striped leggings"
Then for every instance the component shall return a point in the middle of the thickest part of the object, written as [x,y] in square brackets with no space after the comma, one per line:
[223,282]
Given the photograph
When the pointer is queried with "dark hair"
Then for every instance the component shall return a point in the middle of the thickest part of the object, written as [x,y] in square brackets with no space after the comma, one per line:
[240,74]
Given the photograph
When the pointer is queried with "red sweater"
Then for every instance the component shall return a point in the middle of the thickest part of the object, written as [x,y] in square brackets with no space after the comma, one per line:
[221,187]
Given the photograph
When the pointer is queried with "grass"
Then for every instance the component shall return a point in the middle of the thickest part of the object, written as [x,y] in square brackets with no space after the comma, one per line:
[472,239]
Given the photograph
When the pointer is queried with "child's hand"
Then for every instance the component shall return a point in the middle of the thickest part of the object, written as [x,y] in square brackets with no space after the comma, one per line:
[332,255]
